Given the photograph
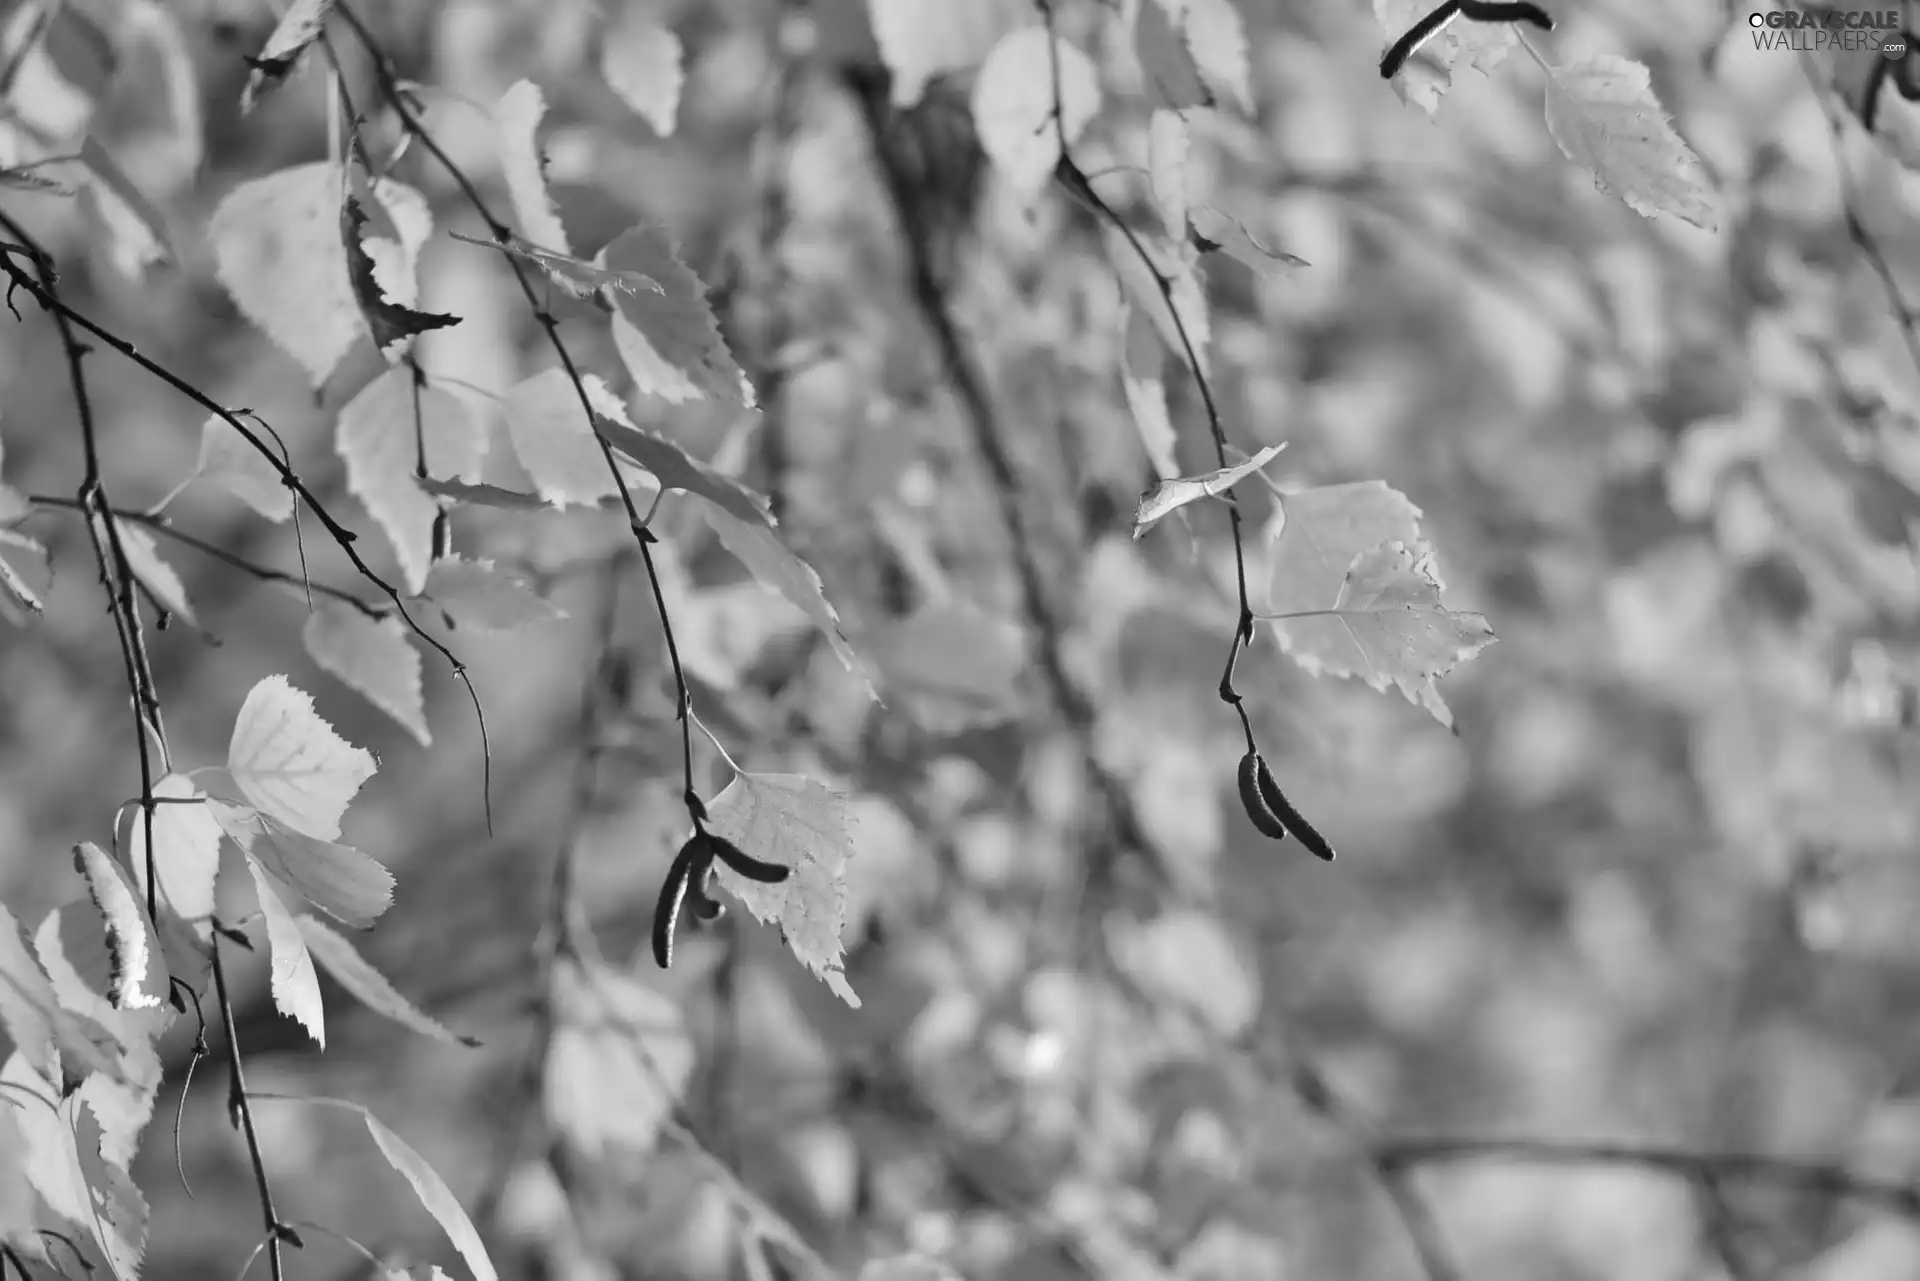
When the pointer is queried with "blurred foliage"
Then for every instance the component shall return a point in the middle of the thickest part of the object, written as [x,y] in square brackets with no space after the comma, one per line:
[1655,891]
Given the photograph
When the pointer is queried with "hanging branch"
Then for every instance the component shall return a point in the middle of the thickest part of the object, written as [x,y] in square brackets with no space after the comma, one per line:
[390,90]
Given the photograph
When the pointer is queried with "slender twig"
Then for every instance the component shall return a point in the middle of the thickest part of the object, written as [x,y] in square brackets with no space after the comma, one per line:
[1811,1177]
[241,1104]
[1395,1178]
[110,554]
[389,87]
[162,524]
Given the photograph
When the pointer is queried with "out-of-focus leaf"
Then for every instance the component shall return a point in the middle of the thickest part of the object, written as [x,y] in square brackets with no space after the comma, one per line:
[290,763]
[1142,364]
[669,341]
[374,657]
[1603,113]
[338,957]
[512,500]
[1015,99]
[1186,956]
[437,1199]
[907,1267]
[77,953]
[1171,495]
[296,987]
[921,39]
[1168,145]
[1165,58]
[137,230]
[553,437]
[42,1031]
[479,595]
[229,461]
[1141,281]
[640,61]
[298,28]
[378,441]
[795,822]
[276,247]
[954,658]
[139,977]
[1216,42]
[516,120]
[618,1061]
[348,884]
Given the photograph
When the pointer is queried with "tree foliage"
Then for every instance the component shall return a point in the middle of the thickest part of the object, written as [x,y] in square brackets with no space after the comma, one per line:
[910,507]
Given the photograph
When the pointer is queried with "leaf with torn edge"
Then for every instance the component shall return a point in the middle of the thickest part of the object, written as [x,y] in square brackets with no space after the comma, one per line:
[577,276]
[1217,232]
[1603,113]
[298,28]
[435,1197]
[372,656]
[1034,93]
[153,573]
[1385,624]
[290,764]
[393,324]
[516,120]
[376,439]
[347,884]
[1171,495]
[553,437]
[1429,74]
[640,61]
[296,987]
[338,957]
[792,821]
[670,341]
[43,1031]
[617,1062]
[478,595]
[138,980]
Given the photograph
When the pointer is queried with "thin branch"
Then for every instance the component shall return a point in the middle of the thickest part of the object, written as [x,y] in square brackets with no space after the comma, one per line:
[341,535]
[1811,1177]
[116,573]
[390,89]
[241,1104]
[161,524]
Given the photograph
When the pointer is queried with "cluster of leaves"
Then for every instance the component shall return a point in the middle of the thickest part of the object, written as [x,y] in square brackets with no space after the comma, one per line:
[327,258]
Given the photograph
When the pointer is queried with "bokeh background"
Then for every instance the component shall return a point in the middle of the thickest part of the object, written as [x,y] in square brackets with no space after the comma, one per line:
[1659,891]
